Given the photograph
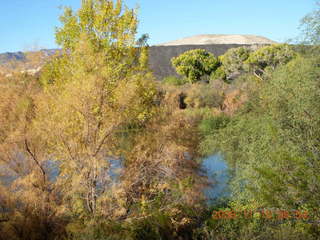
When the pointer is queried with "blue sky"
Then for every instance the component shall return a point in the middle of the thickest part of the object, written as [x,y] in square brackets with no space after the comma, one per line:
[25,25]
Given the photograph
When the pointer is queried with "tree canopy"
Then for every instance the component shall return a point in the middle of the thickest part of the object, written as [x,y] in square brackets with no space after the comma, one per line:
[233,60]
[269,57]
[194,64]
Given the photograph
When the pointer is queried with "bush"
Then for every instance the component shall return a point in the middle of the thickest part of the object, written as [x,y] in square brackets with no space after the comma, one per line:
[173,80]
[274,142]
[220,73]
[209,125]
[204,95]
[252,228]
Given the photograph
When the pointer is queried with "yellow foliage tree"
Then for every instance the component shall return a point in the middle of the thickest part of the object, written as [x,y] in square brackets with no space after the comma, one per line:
[104,88]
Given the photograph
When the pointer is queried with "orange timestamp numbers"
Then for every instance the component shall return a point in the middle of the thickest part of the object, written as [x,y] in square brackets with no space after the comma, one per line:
[262,213]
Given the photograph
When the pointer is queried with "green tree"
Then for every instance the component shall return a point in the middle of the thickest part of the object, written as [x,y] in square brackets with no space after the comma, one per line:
[269,57]
[220,73]
[233,60]
[308,42]
[143,40]
[194,64]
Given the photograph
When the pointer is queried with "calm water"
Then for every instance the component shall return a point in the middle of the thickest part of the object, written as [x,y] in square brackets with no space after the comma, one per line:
[217,172]
[215,167]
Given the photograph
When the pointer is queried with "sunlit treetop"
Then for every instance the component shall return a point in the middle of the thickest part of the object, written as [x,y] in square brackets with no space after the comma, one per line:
[104,22]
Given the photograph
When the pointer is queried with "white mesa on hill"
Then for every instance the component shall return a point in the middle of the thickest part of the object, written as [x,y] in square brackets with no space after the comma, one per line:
[219,39]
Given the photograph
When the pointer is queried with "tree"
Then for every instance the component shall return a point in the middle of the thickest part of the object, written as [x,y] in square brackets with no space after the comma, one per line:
[194,64]
[308,42]
[310,26]
[269,57]
[105,24]
[97,89]
[233,60]
[143,40]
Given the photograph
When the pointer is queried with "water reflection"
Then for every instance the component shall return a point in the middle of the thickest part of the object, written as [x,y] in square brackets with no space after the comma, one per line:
[215,167]
[217,172]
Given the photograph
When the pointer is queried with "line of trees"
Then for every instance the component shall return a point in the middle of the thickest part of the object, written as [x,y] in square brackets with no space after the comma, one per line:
[198,64]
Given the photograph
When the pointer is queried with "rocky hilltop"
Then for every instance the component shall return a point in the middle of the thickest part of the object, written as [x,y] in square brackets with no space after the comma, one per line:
[209,39]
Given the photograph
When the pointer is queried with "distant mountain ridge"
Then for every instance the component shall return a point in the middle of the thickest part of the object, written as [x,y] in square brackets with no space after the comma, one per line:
[30,62]
[11,56]
[21,56]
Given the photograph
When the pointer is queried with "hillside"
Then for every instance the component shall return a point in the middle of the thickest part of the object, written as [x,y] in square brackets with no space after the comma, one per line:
[208,39]
[159,58]
[30,62]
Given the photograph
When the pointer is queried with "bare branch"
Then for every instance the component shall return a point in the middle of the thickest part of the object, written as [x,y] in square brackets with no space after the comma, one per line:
[34,157]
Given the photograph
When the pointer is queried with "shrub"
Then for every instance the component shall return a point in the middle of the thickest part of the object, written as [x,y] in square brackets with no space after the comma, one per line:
[203,95]
[209,125]
[220,73]
[273,143]
[173,80]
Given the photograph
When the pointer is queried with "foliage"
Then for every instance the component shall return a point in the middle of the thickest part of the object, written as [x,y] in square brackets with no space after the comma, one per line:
[143,40]
[275,166]
[307,43]
[238,61]
[204,95]
[310,26]
[104,88]
[233,60]
[96,106]
[28,206]
[269,57]
[54,70]
[213,123]
[258,227]
[105,24]
[194,64]
[173,80]
[220,73]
